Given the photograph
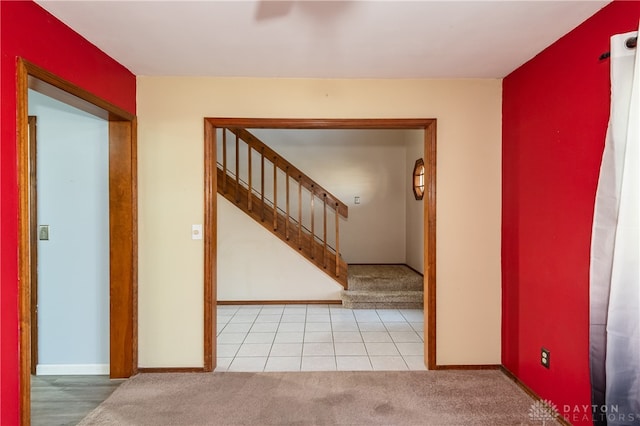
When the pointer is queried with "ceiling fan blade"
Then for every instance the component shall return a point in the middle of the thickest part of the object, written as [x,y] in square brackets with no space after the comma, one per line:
[269,9]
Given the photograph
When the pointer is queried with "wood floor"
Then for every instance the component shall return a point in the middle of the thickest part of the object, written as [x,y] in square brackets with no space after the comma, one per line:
[65,400]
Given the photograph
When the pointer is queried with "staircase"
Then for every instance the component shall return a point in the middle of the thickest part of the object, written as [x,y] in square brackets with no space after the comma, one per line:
[281,198]
[383,287]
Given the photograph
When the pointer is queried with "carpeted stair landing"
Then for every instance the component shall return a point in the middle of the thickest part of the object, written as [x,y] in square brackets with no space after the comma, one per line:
[383,287]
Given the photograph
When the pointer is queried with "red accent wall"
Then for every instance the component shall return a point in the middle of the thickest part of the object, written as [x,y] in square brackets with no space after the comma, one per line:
[555,113]
[28,31]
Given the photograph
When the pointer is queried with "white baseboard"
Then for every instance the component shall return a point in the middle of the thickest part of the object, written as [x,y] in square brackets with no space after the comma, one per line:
[72,369]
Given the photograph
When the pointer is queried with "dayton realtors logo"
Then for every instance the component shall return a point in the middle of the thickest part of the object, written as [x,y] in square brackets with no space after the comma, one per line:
[546,411]
[610,413]
[543,411]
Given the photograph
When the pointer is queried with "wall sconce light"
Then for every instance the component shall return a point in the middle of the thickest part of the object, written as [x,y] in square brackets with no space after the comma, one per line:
[418,179]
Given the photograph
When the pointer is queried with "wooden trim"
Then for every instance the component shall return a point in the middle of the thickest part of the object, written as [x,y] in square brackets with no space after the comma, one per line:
[389,264]
[315,123]
[172,370]
[560,419]
[429,127]
[524,387]
[299,215]
[134,246]
[24,242]
[430,244]
[337,218]
[313,223]
[279,302]
[283,164]
[287,200]
[237,168]
[224,160]
[414,270]
[469,367]
[33,225]
[275,194]
[261,184]
[122,249]
[123,178]
[210,245]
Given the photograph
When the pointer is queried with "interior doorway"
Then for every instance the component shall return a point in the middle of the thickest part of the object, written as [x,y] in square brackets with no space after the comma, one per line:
[371,172]
[122,222]
[210,216]
[70,238]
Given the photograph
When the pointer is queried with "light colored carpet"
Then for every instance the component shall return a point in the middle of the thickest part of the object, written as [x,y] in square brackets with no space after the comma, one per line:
[383,287]
[384,278]
[324,398]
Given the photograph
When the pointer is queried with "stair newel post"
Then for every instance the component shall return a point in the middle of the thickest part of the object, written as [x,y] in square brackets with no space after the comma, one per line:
[286,223]
[275,193]
[237,169]
[262,182]
[313,222]
[324,229]
[224,160]
[337,241]
[250,185]
[299,212]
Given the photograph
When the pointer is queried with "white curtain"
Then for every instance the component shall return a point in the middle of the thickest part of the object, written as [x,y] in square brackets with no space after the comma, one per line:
[615,251]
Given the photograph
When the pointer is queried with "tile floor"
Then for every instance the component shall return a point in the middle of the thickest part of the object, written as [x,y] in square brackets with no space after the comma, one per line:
[318,338]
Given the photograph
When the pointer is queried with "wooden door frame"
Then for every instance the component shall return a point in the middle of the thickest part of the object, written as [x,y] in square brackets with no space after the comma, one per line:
[210,212]
[33,223]
[123,234]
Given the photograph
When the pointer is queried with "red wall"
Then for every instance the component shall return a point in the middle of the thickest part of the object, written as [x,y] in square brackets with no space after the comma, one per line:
[555,112]
[29,32]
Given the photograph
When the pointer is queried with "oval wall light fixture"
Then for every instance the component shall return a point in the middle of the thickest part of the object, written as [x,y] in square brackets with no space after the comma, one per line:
[418,179]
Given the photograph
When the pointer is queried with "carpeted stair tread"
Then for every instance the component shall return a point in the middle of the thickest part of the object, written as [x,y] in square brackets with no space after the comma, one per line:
[383,287]
[384,278]
[382,299]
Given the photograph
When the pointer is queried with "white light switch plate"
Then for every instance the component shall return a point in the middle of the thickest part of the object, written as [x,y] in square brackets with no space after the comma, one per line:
[196,232]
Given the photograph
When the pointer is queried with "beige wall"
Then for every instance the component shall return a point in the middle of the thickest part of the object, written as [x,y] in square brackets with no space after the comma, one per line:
[170,117]
[414,208]
[254,265]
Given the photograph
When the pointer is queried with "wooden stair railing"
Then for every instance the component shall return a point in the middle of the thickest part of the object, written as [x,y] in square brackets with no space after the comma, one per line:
[261,201]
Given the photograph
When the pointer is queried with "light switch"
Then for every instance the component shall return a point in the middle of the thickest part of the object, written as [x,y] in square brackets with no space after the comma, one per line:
[356,200]
[196,232]
[43,232]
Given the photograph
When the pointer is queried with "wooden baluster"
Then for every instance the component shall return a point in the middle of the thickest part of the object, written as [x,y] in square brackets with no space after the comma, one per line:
[224,161]
[275,193]
[286,223]
[299,212]
[324,232]
[337,242]
[250,197]
[313,233]
[262,182]
[237,169]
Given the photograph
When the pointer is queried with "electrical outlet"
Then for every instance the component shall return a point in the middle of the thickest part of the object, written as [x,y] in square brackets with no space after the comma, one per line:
[545,357]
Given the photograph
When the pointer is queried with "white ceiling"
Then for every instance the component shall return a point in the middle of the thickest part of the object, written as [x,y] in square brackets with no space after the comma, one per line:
[323,39]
